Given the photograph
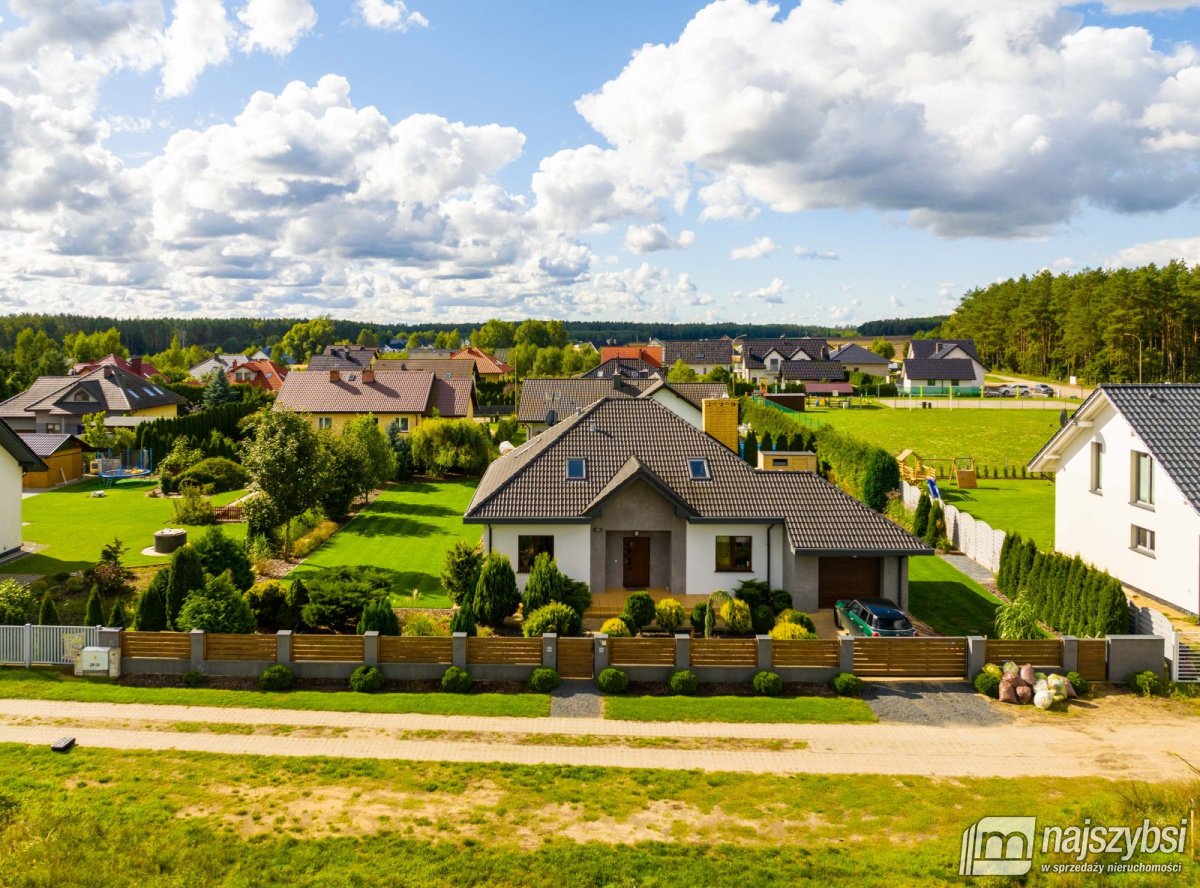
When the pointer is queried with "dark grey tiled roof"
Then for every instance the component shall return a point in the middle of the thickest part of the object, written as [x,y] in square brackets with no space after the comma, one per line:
[19,450]
[1167,419]
[939,368]
[110,390]
[567,396]
[754,351]
[696,392]
[46,444]
[698,351]
[853,353]
[932,348]
[342,357]
[624,438]
[630,368]
[815,371]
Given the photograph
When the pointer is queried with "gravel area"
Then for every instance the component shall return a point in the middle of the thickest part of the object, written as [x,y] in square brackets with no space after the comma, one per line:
[575,699]
[932,703]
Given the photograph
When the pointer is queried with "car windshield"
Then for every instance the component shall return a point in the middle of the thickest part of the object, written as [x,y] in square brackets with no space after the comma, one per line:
[892,624]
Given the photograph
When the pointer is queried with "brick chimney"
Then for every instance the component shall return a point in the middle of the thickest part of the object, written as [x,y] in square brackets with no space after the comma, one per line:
[368,377]
[335,376]
[135,364]
[721,421]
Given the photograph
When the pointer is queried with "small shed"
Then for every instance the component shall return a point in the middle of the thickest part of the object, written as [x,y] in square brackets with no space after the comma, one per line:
[63,456]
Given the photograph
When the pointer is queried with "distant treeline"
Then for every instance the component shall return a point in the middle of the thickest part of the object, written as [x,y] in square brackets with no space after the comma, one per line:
[1091,324]
[900,326]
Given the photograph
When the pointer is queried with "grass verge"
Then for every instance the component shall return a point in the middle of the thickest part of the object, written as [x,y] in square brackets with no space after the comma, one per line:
[948,600]
[795,710]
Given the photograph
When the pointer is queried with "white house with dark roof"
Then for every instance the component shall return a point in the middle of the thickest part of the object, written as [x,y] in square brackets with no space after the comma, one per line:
[701,355]
[16,458]
[628,495]
[759,359]
[1127,488]
[941,363]
[856,359]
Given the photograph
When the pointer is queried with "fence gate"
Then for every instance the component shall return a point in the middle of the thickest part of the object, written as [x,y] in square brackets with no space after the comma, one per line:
[576,657]
[44,645]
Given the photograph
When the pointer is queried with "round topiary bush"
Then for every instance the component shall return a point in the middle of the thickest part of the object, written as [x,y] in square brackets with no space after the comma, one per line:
[456,680]
[1146,683]
[790,632]
[366,679]
[194,679]
[847,684]
[797,617]
[736,614]
[768,684]
[684,683]
[762,619]
[615,628]
[554,617]
[543,680]
[988,685]
[669,615]
[1079,683]
[639,611]
[612,680]
[276,678]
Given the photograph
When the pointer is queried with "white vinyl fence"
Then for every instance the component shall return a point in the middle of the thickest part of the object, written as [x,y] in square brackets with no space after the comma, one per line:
[44,645]
[976,539]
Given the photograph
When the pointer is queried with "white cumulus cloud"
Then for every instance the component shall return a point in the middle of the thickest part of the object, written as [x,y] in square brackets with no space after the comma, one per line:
[642,239]
[198,37]
[1160,252]
[764,246]
[809,253]
[275,26]
[390,15]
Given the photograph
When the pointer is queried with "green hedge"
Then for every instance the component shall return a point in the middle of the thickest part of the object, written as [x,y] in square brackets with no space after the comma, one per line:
[159,435]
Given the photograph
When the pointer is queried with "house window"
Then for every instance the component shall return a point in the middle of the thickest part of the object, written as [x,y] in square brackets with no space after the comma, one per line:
[780,461]
[733,553]
[403,424]
[1143,479]
[1143,540]
[699,469]
[81,396]
[773,364]
[53,428]
[576,469]
[1097,477]
[529,548]
[324,423]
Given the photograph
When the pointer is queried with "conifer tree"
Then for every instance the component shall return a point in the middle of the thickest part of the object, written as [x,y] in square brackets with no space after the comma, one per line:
[151,613]
[750,448]
[48,613]
[186,576]
[767,442]
[93,614]
[116,617]
[921,516]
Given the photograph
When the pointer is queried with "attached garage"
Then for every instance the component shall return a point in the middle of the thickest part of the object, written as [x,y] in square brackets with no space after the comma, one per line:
[63,456]
[847,578]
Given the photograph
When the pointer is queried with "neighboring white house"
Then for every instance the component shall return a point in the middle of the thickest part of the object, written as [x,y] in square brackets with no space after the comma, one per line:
[15,460]
[1127,488]
[217,362]
[938,363]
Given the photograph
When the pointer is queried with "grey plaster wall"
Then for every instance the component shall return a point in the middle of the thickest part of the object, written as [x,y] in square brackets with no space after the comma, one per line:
[641,508]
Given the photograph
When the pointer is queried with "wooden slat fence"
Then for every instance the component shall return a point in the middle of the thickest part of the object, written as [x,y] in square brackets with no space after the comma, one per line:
[576,657]
[724,652]
[641,651]
[1093,658]
[239,647]
[910,657]
[1039,652]
[813,653]
[396,649]
[157,645]
[504,651]
[328,648]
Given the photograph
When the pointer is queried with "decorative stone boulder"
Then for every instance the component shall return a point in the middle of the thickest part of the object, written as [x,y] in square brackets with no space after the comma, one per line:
[167,541]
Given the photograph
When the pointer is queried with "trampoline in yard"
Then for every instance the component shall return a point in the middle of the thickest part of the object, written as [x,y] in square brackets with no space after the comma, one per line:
[112,468]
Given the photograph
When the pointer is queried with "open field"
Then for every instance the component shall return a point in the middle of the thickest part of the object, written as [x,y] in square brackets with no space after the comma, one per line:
[407,529]
[775,710]
[73,525]
[46,684]
[948,600]
[198,819]
[1024,507]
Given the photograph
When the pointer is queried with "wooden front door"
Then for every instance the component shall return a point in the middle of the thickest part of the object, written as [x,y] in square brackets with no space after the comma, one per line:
[637,562]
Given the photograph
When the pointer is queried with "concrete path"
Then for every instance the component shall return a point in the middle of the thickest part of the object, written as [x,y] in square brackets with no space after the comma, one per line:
[1129,751]
[977,572]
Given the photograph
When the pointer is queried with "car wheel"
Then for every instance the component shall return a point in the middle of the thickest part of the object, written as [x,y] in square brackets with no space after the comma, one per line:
[837,621]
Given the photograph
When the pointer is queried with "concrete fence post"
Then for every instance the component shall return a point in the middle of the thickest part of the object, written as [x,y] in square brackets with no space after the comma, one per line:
[458,650]
[550,650]
[1070,654]
[109,638]
[845,654]
[683,651]
[371,648]
[28,652]
[763,643]
[976,655]
[599,652]
[196,637]
[283,647]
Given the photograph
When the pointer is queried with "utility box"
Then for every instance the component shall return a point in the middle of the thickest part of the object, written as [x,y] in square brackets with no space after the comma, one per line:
[99,661]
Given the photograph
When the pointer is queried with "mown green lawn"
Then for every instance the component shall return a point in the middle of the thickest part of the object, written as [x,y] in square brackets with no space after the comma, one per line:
[407,529]
[73,525]
[35,684]
[795,710]
[1024,507]
[948,600]
[116,817]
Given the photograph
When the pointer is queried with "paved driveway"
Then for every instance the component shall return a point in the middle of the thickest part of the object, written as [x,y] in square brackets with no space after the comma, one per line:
[932,703]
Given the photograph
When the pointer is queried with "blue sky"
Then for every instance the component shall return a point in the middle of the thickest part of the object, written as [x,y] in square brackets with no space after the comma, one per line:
[818,162]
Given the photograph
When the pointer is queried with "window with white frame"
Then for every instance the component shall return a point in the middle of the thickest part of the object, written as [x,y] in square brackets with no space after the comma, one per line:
[1097,474]
[324,423]
[576,469]
[1143,479]
[1142,540]
[698,469]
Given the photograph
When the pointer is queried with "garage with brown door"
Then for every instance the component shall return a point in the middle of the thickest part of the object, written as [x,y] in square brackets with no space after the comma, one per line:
[847,578]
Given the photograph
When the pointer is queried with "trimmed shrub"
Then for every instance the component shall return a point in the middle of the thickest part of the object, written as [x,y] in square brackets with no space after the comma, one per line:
[1079,683]
[668,615]
[291,617]
[219,553]
[460,571]
[48,613]
[1146,683]
[463,621]
[496,594]
[699,613]
[218,607]
[543,680]
[276,678]
[456,680]
[93,614]
[767,684]
[790,632]
[337,595]
[758,592]
[542,586]
[366,679]
[797,617]
[612,680]
[193,508]
[736,614]
[184,576]
[17,601]
[847,684]
[151,612]
[639,611]
[762,619]
[988,685]
[267,599]
[193,679]
[378,616]
[223,474]
[314,539]
[116,617]
[921,518]
[615,627]
[554,617]
[684,683]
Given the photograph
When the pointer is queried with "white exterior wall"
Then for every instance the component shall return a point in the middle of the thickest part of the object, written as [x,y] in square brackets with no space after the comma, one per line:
[684,409]
[1097,526]
[572,546]
[703,577]
[977,381]
[10,503]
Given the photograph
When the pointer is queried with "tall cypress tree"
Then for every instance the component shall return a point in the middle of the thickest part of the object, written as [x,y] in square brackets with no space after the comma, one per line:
[1005,556]
[151,615]
[767,442]
[186,576]
[93,614]
[921,516]
[116,617]
[48,613]
[750,448]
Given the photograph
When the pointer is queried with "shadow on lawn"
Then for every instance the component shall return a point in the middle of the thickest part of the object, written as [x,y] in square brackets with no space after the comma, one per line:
[382,525]
[410,509]
[43,565]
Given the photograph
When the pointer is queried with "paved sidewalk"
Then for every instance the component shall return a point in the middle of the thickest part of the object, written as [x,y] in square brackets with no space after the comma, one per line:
[977,572]
[1138,751]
